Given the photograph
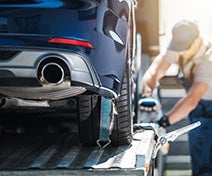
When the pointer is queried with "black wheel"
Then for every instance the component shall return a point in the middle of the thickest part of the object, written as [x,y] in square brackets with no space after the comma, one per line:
[89,109]
[89,118]
[122,130]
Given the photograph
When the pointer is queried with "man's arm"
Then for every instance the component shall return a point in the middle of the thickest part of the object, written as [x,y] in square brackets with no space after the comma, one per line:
[156,71]
[186,104]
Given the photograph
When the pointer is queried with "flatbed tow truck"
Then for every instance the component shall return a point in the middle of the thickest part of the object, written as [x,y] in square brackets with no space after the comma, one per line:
[52,154]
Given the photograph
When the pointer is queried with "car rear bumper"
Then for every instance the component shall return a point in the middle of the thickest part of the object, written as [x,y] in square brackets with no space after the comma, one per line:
[20,76]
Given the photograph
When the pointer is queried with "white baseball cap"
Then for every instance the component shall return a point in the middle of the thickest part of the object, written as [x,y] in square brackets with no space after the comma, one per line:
[183,34]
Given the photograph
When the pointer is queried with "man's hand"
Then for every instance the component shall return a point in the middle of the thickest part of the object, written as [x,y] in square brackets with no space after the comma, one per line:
[148,85]
[147,91]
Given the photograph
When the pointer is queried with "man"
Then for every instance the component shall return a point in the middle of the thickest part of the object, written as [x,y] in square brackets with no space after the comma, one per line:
[194,57]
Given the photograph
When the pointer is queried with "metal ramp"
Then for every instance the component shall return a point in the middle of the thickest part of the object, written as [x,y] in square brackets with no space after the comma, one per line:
[47,154]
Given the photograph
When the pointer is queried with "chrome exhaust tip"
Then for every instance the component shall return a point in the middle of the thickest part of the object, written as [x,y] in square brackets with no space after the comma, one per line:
[52,73]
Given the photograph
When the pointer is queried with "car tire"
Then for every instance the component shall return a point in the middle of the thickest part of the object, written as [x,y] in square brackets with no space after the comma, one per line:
[89,108]
[122,130]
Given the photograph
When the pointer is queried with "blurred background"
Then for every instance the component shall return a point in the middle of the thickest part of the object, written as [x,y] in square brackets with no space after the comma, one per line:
[155,19]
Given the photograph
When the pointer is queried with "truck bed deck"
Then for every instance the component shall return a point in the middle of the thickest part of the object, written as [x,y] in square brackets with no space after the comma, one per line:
[62,154]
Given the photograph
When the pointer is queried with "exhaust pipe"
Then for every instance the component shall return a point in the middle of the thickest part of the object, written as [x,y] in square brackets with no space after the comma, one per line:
[52,73]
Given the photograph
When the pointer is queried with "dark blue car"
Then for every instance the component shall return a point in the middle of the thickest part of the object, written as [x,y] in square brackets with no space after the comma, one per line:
[61,53]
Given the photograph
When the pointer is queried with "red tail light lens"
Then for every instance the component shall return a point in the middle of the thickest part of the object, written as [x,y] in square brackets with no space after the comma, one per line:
[71,42]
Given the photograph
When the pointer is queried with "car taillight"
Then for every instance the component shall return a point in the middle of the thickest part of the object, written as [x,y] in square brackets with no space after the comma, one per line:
[71,42]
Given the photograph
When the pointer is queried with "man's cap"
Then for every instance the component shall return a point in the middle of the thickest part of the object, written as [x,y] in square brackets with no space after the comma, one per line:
[183,34]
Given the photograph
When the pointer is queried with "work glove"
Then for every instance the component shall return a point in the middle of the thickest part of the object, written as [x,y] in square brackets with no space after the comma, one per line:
[163,121]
